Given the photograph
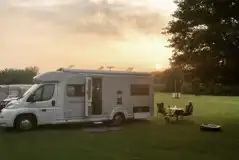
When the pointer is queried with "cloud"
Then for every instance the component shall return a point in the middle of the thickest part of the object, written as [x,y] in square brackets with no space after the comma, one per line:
[111,18]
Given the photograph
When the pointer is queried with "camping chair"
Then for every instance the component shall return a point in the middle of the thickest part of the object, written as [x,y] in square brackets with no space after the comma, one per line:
[188,109]
[161,110]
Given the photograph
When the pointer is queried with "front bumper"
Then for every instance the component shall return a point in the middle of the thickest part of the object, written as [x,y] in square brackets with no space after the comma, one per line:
[5,121]
[5,124]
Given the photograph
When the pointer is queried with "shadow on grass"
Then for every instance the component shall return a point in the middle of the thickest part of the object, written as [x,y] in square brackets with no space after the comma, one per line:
[184,122]
[78,126]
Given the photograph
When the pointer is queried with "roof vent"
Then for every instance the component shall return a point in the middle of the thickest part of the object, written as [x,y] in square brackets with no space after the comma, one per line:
[101,68]
[110,67]
[130,69]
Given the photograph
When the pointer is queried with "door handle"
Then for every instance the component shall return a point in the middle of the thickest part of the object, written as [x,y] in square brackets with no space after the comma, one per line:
[53,103]
[43,110]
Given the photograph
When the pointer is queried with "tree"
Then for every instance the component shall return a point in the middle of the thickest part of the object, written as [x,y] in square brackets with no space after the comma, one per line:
[204,35]
[196,86]
[172,78]
[18,76]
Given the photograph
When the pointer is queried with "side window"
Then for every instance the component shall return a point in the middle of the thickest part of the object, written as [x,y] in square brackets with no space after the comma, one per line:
[48,92]
[139,89]
[76,90]
[45,92]
[38,93]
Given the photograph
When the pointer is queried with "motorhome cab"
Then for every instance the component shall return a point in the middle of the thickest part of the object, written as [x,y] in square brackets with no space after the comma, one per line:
[72,95]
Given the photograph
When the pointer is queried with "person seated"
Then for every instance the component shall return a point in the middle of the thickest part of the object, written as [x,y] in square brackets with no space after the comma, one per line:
[161,108]
[188,109]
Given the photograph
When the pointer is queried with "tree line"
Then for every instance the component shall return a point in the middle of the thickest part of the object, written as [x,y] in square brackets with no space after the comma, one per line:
[18,76]
[169,80]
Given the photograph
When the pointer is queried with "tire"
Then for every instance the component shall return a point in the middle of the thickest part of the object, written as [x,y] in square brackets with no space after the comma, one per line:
[118,119]
[25,122]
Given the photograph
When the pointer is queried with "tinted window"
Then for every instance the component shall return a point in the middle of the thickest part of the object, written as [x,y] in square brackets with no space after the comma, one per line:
[139,89]
[77,90]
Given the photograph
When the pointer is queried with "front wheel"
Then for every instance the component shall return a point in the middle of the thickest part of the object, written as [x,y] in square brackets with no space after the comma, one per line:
[118,119]
[25,123]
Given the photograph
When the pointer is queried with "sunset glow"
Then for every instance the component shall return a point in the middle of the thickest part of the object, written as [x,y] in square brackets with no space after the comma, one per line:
[158,67]
[58,33]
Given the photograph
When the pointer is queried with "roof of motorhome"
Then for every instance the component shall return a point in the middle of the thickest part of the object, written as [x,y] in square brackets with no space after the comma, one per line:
[60,75]
[105,72]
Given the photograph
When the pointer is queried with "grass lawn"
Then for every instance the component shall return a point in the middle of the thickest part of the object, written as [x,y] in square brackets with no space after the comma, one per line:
[138,141]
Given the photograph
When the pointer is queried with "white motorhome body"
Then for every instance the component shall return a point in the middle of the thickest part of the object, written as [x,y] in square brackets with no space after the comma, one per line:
[72,95]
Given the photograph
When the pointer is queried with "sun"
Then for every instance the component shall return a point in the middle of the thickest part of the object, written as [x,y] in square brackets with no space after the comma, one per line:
[158,67]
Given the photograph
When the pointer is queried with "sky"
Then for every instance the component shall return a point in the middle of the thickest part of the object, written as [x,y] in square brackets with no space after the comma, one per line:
[51,34]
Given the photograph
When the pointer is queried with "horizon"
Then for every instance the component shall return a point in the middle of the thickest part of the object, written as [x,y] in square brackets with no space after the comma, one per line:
[88,34]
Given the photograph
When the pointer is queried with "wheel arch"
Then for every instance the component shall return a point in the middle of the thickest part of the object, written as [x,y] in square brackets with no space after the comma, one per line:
[118,110]
[25,114]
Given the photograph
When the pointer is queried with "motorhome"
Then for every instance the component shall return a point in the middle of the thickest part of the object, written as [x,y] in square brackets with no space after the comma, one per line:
[77,95]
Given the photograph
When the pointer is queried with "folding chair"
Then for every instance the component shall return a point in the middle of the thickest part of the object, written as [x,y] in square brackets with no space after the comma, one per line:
[188,109]
[161,110]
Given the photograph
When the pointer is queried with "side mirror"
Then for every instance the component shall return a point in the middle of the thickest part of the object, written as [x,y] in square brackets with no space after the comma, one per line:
[32,98]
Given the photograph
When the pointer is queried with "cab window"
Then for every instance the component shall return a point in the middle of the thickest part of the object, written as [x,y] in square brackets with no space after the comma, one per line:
[38,93]
[48,92]
[45,92]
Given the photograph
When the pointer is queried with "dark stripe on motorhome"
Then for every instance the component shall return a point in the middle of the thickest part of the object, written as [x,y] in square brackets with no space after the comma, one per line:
[140,109]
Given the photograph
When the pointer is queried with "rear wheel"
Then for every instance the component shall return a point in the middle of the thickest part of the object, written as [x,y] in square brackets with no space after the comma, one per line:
[25,122]
[118,119]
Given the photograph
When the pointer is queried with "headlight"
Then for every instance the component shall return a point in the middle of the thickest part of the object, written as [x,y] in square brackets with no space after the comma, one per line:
[4,104]
[9,105]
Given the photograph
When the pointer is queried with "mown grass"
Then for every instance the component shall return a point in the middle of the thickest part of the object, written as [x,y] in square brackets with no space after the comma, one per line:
[139,140]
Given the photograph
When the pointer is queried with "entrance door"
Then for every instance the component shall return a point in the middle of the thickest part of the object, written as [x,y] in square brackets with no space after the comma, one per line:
[93,96]
[88,96]
[96,95]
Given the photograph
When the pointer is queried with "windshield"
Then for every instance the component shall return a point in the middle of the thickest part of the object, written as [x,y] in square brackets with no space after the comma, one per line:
[29,90]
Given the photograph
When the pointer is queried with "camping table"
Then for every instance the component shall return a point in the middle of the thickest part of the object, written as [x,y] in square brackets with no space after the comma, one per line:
[176,111]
